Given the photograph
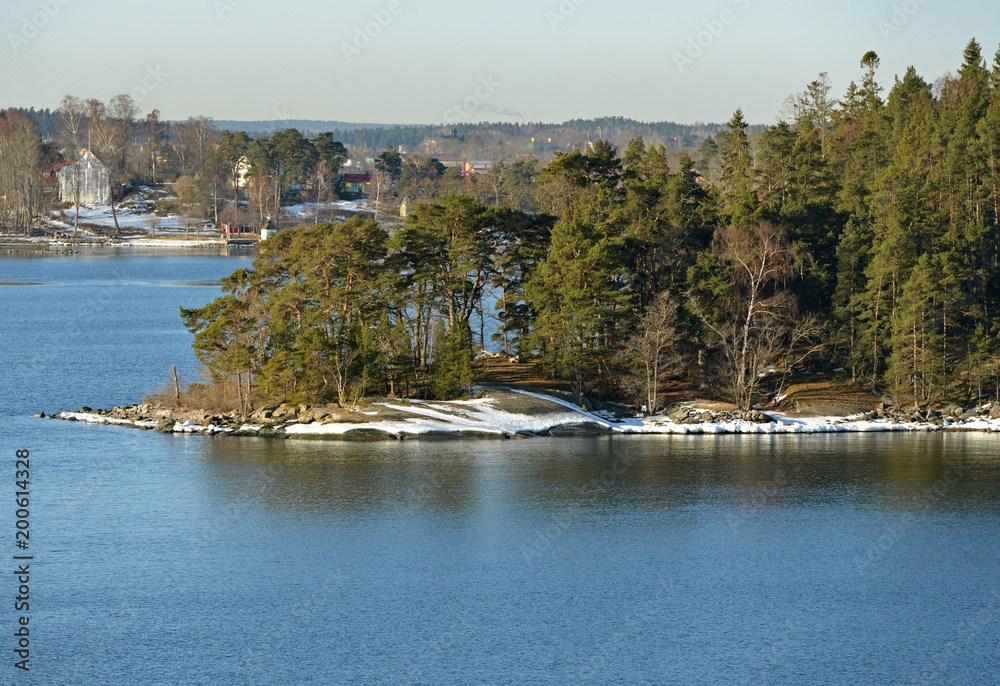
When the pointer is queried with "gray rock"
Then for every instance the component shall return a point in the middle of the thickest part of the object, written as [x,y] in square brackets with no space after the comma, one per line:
[579,429]
[262,414]
[164,426]
[678,414]
[367,434]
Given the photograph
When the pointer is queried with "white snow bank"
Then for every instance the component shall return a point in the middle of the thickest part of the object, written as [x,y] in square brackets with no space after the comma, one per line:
[179,243]
[790,425]
[308,209]
[189,427]
[482,416]
[95,418]
[101,215]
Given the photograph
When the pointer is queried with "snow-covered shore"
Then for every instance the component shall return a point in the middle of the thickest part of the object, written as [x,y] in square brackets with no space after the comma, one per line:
[504,413]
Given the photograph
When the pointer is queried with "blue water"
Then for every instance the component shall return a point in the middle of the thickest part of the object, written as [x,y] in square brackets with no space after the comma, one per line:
[864,559]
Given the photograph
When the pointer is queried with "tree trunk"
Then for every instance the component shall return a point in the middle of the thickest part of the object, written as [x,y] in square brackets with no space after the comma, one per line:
[114,214]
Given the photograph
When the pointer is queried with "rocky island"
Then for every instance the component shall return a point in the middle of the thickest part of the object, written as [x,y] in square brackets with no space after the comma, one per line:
[506,412]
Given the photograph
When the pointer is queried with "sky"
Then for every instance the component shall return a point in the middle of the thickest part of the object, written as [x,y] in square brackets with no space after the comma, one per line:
[446,61]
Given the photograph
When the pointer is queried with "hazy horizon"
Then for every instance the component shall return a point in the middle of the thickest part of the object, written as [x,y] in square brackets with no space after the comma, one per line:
[388,62]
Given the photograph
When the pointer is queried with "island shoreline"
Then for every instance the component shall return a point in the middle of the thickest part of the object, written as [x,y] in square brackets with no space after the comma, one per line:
[509,413]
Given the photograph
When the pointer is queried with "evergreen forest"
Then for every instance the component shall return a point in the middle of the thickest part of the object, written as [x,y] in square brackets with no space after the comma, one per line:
[859,234]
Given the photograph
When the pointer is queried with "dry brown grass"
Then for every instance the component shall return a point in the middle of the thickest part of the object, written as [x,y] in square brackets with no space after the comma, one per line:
[826,392]
[527,373]
[203,395]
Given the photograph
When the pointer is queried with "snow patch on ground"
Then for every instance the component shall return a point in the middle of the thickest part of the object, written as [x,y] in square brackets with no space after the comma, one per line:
[307,210]
[101,215]
[95,418]
[482,416]
[478,416]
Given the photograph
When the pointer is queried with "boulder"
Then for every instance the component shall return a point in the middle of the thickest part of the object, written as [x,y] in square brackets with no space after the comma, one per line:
[285,411]
[952,410]
[164,426]
[262,413]
[677,414]
[579,429]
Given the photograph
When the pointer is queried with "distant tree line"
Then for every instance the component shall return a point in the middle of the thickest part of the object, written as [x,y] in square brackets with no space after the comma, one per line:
[22,155]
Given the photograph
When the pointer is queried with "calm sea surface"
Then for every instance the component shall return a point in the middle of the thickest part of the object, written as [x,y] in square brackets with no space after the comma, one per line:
[864,559]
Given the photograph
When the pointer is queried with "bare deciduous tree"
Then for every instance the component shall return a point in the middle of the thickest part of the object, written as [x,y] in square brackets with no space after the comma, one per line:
[193,143]
[752,320]
[20,159]
[805,330]
[652,349]
[71,127]
[381,186]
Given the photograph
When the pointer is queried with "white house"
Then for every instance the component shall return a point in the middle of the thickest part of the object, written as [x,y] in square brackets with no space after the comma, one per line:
[90,176]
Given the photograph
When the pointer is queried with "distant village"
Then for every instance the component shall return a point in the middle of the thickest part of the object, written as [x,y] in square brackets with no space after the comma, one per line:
[100,171]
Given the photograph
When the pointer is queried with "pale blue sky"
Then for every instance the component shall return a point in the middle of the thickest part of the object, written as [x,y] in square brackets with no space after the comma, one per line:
[549,60]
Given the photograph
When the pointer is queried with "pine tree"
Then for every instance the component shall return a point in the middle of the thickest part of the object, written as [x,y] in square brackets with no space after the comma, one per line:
[578,298]
[739,196]
[915,366]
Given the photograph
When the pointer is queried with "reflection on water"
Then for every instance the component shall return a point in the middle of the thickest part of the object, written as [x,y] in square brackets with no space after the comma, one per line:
[346,479]
[834,559]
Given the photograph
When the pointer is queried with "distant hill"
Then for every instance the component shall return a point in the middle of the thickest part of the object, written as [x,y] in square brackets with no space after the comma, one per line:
[378,136]
[374,136]
[306,126]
